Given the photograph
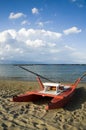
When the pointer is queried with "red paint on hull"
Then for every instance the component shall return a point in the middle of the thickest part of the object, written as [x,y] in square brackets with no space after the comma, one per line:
[57,101]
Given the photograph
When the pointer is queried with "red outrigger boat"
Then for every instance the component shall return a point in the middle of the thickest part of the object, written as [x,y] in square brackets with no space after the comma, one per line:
[60,94]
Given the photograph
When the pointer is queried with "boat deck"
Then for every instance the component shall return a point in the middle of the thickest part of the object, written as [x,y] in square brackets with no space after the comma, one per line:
[53,88]
[52,92]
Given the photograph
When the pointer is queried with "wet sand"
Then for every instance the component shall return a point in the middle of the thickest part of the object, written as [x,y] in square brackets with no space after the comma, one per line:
[29,116]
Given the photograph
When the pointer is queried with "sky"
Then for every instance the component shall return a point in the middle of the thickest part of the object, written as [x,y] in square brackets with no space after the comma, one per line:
[43,31]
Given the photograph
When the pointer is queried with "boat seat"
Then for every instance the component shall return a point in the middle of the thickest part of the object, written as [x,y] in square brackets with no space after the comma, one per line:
[66,87]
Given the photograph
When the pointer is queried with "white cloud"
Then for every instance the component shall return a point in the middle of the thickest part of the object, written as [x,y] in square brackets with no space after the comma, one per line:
[40,24]
[79,57]
[27,44]
[7,34]
[25,22]
[69,48]
[54,50]
[16,15]
[38,45]
[35,11]
[8,47]
[32,34]
[35,44]
[72,31]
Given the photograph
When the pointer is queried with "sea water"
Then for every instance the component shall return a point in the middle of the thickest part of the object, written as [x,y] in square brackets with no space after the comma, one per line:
[54,72]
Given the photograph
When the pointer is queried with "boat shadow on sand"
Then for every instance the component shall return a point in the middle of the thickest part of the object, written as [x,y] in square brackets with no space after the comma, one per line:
[77,100]
[75,103]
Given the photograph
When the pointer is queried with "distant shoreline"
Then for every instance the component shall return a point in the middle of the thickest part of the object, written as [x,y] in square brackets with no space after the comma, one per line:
[24,64]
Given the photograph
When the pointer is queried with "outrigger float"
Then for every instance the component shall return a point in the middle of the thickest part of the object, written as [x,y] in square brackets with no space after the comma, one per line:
[59,93]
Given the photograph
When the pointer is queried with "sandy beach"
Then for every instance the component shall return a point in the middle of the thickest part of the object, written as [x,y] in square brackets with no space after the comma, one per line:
[29,116]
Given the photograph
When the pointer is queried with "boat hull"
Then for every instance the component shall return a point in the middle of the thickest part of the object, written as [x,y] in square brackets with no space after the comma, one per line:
[57,101]
[26,98]
[31,97]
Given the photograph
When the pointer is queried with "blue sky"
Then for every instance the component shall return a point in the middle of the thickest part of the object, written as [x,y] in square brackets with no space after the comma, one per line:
[43,31]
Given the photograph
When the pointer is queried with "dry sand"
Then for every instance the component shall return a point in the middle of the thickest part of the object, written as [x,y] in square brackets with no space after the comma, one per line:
[29,116]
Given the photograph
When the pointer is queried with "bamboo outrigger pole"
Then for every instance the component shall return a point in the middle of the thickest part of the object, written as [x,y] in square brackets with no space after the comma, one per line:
[79,79]
[36,74]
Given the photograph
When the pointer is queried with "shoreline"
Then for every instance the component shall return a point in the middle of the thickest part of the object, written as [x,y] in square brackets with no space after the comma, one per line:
[24,116]
[19,79]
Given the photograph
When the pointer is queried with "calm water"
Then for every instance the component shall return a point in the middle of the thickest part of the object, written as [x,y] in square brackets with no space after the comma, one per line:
[63,73]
